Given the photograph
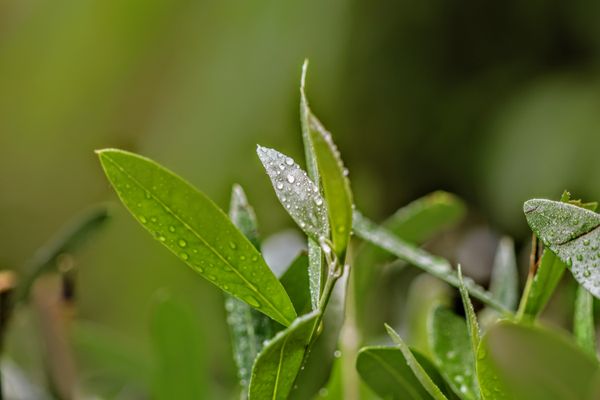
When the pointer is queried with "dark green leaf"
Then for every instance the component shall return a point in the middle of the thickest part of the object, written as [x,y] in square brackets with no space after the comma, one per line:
[583,321]
[571,233]
[181,372]
[278,364]
[521,362]
[295,282]
[190,225]
[504,284]
[453,353]
[436,266]
[334,390]
[420,373]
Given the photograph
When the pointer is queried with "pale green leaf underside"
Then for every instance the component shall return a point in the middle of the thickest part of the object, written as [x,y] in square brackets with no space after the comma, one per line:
[278,364]
[191,226]
[572,233]
[452,351]
[436,266]
[523,362]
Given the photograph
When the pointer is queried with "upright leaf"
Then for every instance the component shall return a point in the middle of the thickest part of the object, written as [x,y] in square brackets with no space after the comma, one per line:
[583,321]
[248,328]
[278,364]
[436,266]
[472,324]
[336,185]
[416,367]
[181,370]
[191,226]
[524,362]
[295,282]
[572,233]
[504,284]
[453,353]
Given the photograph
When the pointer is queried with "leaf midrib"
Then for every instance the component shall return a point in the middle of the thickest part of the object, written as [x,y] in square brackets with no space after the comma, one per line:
[193,231]
[279,365]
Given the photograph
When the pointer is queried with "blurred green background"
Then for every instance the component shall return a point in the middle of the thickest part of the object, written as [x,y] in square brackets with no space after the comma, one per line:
[496,101]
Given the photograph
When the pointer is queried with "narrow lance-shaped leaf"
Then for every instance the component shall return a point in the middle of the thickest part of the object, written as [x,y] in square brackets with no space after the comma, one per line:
[191,226]
[453,353]
[278,364]
[472,324]
[435,266]
[583,321]
[248,327]
[572,233]
[504,284]
[415,366]
[336,186]
[295,282]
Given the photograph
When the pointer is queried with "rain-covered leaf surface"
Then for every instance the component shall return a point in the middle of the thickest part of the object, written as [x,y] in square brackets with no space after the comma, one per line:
[336,186]
[572,233]
[248,327]
[191,226]
[472,324]
[524,362]
[584,328]
[452,352]
[504,284]
[278,364]
[295,282]
[436,266]
[418,370]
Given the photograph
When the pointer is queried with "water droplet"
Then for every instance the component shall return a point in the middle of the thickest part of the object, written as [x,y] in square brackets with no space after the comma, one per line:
[254,258]
[161,237]
[182,243]
[211,277]
[337,354]
[587,273]
[345,172]
[184,256]
[148,195]
[279,185]
[586,242]
[579,257]
[252,301]
[143,219]
[232,245]
[289,161]
[153,219]
[318,201]
[290,178]
[242,258]
[171,228]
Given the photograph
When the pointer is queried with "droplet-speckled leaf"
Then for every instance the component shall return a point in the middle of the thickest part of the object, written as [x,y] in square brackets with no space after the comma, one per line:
[248,327]
[278,364]
[525,362]
[191,226]
[572,233]
[452,352]
[420,373]
[436,266]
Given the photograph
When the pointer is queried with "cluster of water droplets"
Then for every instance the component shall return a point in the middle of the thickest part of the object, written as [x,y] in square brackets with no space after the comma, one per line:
[299,195]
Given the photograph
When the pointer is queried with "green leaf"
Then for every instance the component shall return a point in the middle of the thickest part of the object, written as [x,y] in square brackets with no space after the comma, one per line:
[436,266]
[540,288]
[191,226]
[504,284]
[386,372]
[336,186]
[315,272]
[583,321]
[571,233]
[248,328]
[416,367]
[334,390]
[452,352]
[522,362]
[67,240]
[295,282]
[472,324]
[278,364]
[181,372]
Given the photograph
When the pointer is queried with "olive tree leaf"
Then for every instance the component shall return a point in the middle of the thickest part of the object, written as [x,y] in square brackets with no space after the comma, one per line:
[583,321]
[526,362]
[279,362]
[504,284]
[452,352]
[295,282]
[472,324]
[571,233]
[436,266]
[191,226]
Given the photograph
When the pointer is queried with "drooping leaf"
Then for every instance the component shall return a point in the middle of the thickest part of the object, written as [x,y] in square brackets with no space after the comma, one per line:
[248,327]
[436,266]
[453,353]
[279,362]
[67,240]
[504,284]
[523,362]
[540,287]
[181,370]
[336,186]
[191,226]
[420,373]
[584,328]
[572,233]
[295,282]
[472,324]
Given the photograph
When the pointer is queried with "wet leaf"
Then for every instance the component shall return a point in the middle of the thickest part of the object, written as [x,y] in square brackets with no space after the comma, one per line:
[191,226]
